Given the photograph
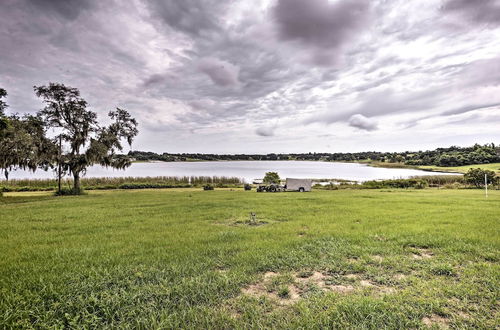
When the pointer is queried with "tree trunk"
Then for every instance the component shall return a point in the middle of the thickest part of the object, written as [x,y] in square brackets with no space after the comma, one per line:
[59,169]
[6,175]
[76,181]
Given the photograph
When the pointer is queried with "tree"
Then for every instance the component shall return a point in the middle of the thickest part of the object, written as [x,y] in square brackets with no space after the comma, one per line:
[3,106]
[24,145]
[23,142]
[271,177]
[86,143]
[475,176]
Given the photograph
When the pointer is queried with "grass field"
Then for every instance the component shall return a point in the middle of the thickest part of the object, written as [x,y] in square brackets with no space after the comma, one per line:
[187,258]
[495,167]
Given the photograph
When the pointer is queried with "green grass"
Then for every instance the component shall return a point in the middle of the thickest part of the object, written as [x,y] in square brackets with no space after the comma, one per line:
[495,167]
[180,259]
[453,169]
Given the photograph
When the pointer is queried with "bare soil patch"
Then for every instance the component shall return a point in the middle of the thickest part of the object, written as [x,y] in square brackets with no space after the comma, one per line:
[435,319]
[423,254]
[299,285]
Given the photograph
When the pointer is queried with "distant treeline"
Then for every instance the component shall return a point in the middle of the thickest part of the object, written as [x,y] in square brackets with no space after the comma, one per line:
[452,156]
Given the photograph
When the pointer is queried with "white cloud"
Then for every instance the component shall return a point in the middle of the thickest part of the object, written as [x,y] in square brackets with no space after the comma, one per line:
[362,122]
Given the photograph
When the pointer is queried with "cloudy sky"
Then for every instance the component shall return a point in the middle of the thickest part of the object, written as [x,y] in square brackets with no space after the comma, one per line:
[267,76]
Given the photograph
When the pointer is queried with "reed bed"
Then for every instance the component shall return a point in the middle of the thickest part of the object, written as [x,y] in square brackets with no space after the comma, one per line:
[441,180]
[121,183]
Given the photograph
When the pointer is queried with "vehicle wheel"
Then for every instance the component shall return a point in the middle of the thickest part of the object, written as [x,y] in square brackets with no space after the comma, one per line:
[273,189]
[301,189]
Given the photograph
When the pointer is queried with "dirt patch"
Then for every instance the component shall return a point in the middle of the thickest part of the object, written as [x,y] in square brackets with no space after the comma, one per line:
[400,277]
[286,289]
[435,319]
[342,288]
[366,283]
[386,290]
[378,289]
[377,258]
[423,254]
[249,223]
[283,294]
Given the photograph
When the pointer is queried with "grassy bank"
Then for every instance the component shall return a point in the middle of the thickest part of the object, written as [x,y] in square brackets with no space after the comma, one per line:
[187,258]
[495,167]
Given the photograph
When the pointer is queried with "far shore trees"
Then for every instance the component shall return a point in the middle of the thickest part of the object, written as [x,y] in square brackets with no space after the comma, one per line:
[87,142]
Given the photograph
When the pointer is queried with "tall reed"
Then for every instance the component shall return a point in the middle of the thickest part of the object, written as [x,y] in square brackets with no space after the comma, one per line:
[120,182]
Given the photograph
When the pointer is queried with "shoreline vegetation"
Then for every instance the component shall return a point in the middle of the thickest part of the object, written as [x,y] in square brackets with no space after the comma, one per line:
[167,182]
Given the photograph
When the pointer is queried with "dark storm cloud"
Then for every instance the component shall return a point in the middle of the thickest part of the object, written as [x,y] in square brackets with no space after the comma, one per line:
[189,16]
[207,65]
[220,72]
[320,24]
[68,9]
[477,11]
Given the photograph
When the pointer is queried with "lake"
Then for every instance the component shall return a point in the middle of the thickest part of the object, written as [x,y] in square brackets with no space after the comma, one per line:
[248,170]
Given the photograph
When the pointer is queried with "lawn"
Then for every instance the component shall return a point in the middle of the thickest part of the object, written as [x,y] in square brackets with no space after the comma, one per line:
[187,258]
[495,167]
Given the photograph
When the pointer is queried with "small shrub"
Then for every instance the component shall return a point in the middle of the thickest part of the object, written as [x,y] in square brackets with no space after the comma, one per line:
[69,192]
[455,185]
[208,187]
[284,292]
[443,270]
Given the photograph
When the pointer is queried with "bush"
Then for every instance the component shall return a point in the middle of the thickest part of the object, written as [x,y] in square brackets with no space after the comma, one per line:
[271,177]
[248,187]
[208,187]
[454,185]
[475,176]
[69,192]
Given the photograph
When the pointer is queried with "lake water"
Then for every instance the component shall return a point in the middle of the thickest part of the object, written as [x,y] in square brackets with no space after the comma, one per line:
[248,170]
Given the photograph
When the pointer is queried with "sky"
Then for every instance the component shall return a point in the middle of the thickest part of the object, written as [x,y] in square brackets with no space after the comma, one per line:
[262,76]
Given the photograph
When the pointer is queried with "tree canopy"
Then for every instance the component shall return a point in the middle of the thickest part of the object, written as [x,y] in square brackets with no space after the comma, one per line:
[271,177]
[24,143]
[476,176]
[3,106]
[86,142]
